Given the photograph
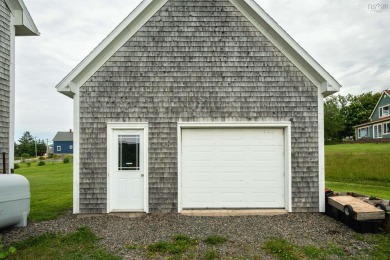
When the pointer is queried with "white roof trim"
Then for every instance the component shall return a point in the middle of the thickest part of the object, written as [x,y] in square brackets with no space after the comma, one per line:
[288,46]
[23,22]
[119,36]
[255,14]
[377,103]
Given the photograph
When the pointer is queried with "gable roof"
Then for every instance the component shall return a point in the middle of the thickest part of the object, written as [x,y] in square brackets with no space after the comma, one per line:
[249,8]
[385,92]
[24,24]
[63,136]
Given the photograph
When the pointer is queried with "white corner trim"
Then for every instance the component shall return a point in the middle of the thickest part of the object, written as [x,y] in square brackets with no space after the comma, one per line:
[286,125]
[76,153]
[111,44]
[11,136]
[321,153]
[111,127]
[287,45]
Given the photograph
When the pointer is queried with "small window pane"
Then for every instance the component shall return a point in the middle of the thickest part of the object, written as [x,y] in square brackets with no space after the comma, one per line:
[363,132]
[128,152]
[385,111]
[387,128]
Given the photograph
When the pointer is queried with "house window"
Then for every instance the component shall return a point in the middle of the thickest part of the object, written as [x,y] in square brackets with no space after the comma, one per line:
[363,132]
[377,131]
[58,148]
[70,147]
[384,111]
[386,128]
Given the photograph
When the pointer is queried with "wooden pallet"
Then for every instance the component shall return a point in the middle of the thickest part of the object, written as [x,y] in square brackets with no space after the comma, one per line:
[363,210]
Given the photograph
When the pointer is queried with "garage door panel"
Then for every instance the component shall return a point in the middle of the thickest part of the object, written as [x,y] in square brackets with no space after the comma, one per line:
[232,168]
[233,156]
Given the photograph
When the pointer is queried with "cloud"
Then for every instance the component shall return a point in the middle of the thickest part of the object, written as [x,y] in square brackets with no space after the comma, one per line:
[345,37]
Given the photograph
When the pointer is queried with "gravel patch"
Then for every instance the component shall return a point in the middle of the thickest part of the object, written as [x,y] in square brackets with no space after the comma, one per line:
[246,234]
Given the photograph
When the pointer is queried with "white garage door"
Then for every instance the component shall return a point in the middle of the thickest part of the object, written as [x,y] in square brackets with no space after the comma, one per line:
[233,168]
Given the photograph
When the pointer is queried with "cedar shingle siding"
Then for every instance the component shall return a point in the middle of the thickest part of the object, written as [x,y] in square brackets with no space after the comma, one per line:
[195,61]
[5,53]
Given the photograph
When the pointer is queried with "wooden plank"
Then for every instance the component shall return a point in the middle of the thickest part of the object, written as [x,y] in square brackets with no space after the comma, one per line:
[364,211]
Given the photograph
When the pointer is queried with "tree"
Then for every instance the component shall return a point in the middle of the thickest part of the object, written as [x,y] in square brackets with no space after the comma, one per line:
[358,111]
[27,145]
[342,113]
[333,120]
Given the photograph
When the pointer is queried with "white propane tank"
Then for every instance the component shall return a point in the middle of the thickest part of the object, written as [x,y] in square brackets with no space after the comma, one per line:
[14,200]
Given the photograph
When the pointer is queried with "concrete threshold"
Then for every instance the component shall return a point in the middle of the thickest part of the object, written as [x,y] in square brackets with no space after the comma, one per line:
[232,212]
[116,214]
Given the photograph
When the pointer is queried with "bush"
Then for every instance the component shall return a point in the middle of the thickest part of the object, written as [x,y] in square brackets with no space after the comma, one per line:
[41,158]
[28,164]
[16,166]
[41,163]
[25,155]
[50,156]
[66,160]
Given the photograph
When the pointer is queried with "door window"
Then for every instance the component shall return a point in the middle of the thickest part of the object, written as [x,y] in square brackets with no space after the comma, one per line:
[128,152]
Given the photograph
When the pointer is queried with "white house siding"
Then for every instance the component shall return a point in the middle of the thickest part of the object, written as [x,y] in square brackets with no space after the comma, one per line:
[195,61]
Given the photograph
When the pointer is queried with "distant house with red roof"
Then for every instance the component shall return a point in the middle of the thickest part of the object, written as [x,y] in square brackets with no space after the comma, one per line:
[379,124]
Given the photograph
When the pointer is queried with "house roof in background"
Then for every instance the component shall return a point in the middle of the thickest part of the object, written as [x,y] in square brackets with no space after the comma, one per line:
[63,136]
[24,24]
[387,92]
[254,13]
[383,119]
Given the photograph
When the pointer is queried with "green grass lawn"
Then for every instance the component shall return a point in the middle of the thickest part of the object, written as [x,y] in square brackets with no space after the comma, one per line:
[361,168]
[51,189]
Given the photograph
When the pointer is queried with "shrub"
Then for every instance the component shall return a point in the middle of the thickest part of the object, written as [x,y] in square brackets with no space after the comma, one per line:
[16,166]
[50,156]
[41,158]
[25,155]
[66,160]
[41,163]
[28,164]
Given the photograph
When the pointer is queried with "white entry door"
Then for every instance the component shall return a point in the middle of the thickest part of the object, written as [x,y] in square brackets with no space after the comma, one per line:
[127,171]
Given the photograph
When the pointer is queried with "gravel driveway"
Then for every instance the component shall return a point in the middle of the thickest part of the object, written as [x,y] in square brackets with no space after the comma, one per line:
[246,234]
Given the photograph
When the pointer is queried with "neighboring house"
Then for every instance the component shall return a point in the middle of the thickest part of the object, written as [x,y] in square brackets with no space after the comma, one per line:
[63,143]
[379,124]
[15,20]
[198,105]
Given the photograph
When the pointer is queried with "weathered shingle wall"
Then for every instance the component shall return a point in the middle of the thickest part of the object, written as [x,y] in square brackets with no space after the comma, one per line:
[5,41]
[194,61]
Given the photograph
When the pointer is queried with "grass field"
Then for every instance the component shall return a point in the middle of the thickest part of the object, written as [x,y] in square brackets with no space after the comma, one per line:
[51,189]
[361,168]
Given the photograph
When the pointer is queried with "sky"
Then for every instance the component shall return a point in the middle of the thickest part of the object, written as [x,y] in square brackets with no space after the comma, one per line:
[350,40]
